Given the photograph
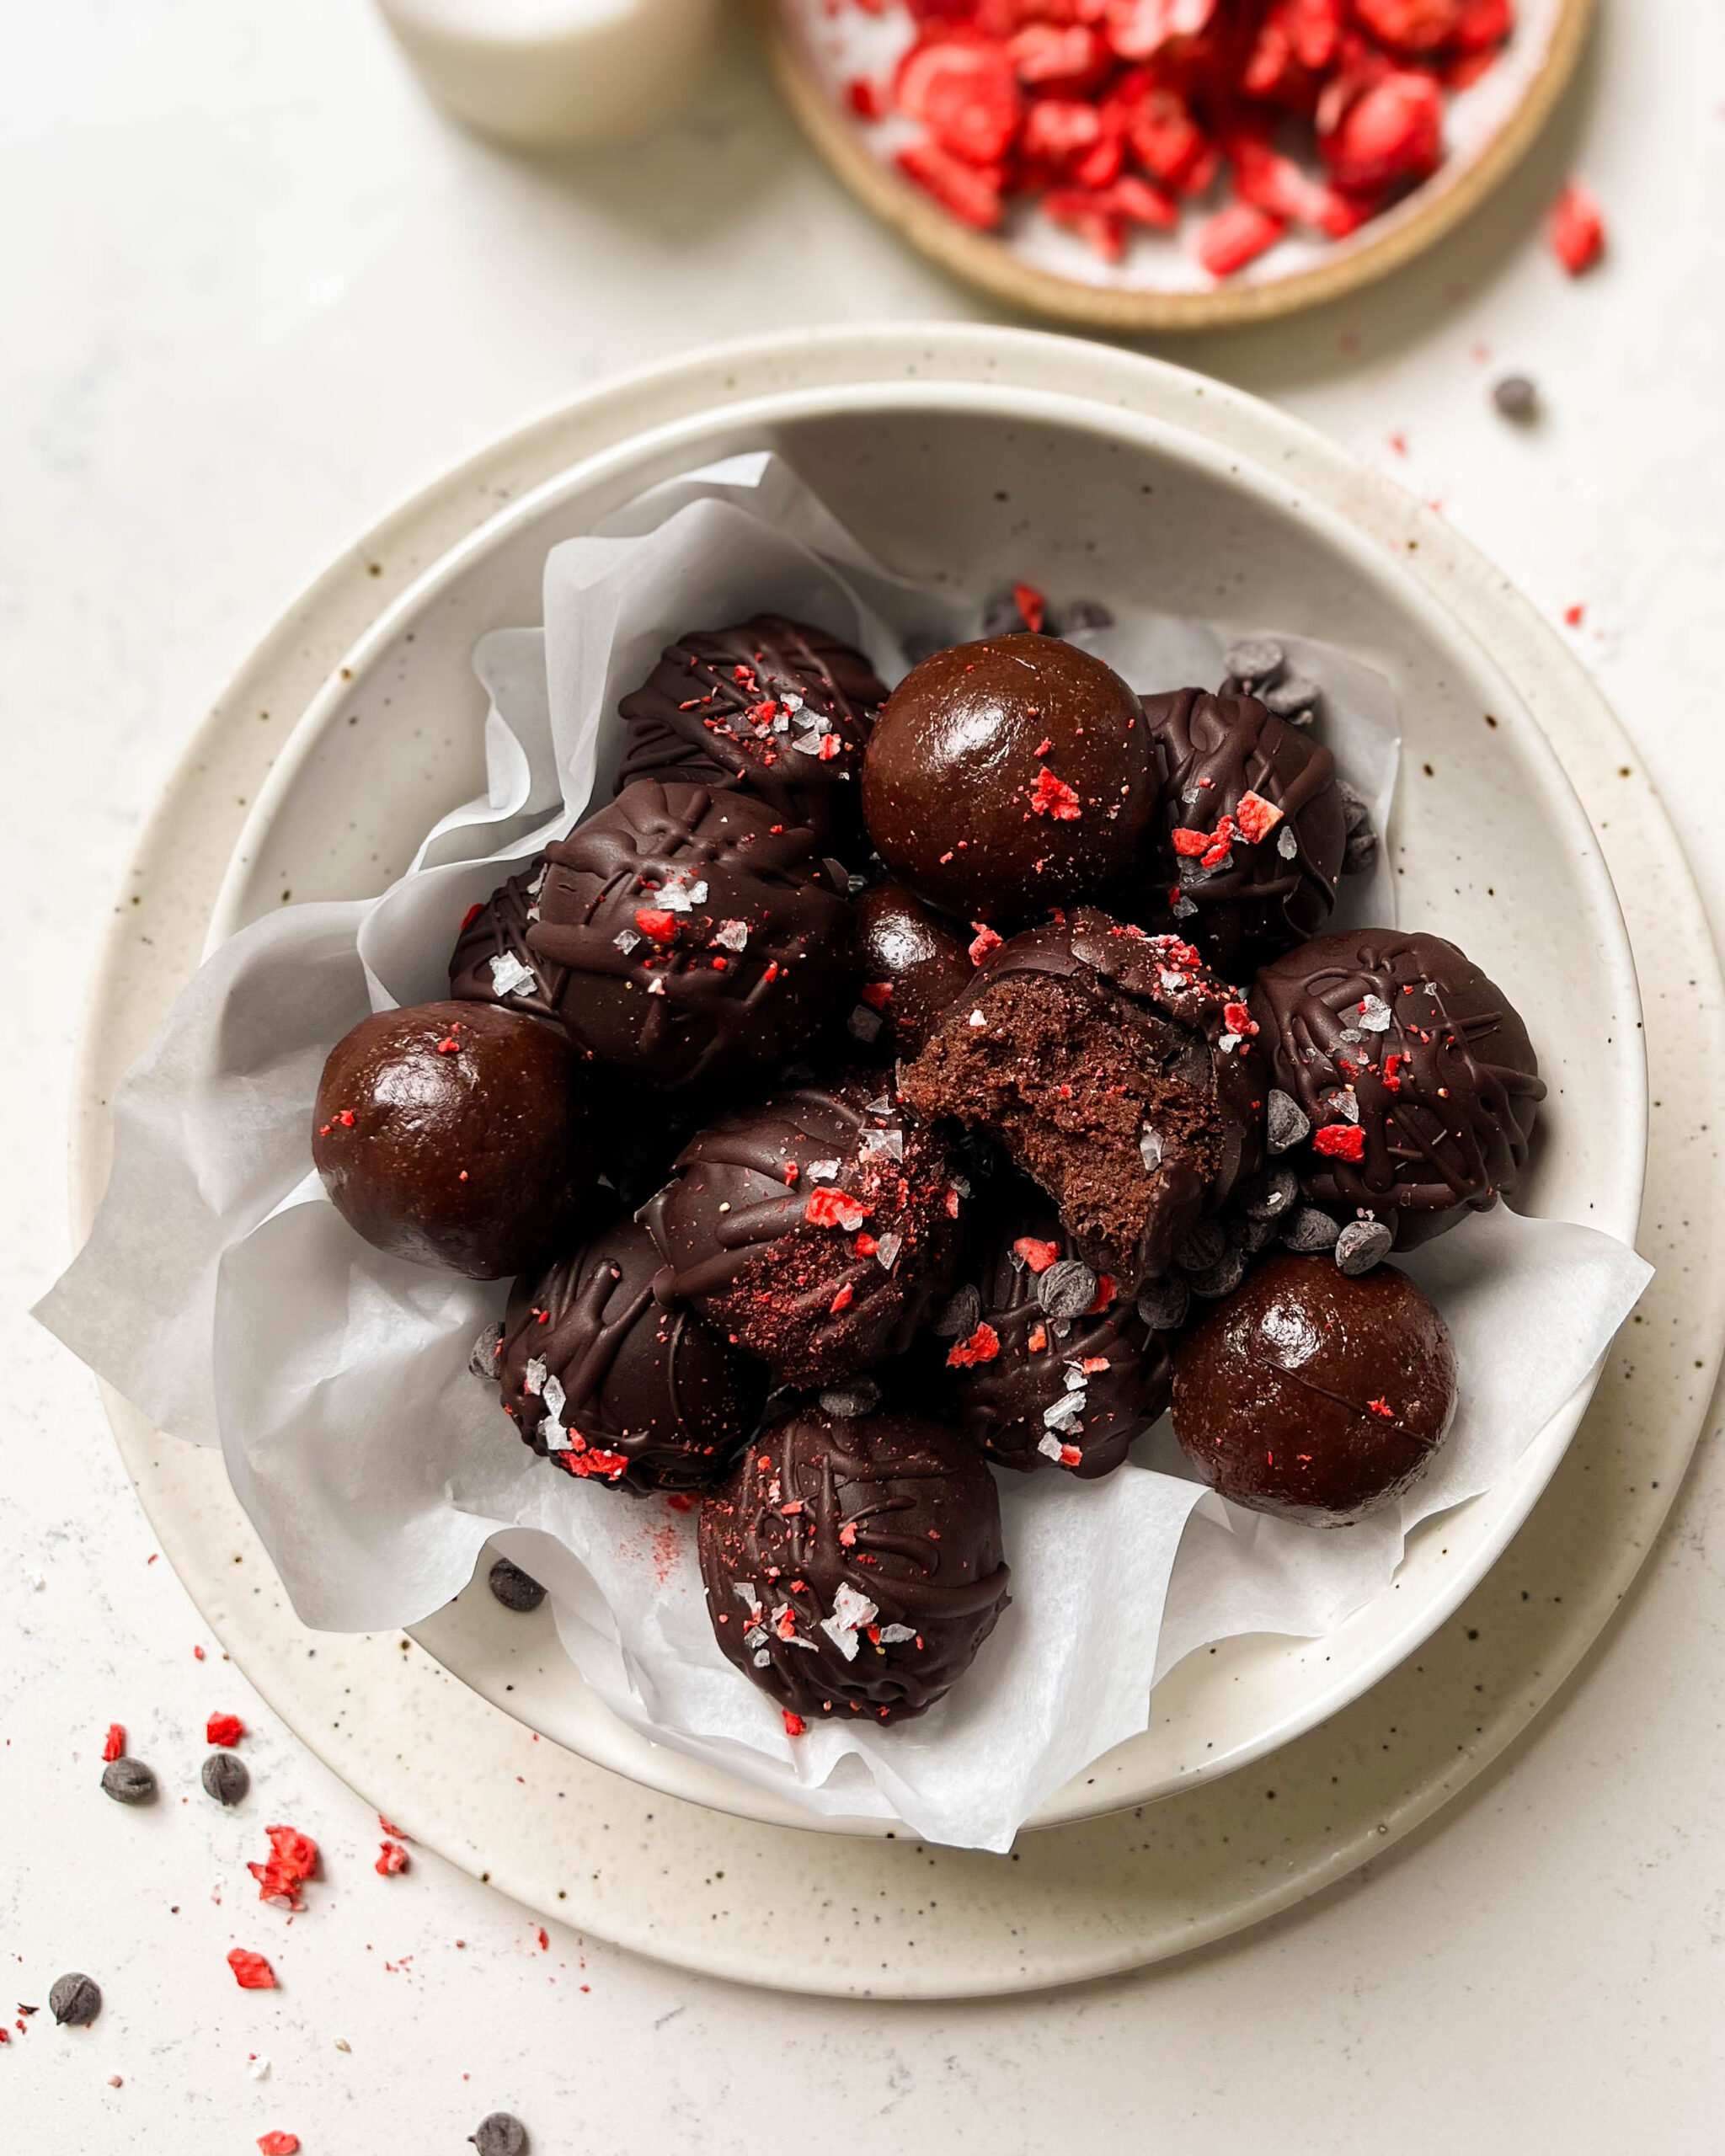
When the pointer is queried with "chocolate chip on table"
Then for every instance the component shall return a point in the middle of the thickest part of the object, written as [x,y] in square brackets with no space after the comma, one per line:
[514,1588]
[1516,398]
[1361,850]
[1256,659]
[75,2000]
[1067,1290]
[1276,1192]
[483,1362]
[1309,1232]
[500,2134]
[129,1781]
[856,1397]
[1361,1245]
[225,1778]
[1222,1278]
[961,1315]
[1286,1123]
[1288,699]
[1163,1304]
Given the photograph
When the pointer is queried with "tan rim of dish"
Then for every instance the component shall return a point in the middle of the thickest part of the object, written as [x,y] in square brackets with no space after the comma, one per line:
[982,261]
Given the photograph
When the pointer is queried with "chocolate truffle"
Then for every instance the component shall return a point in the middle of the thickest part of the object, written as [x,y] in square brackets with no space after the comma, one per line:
[1119,1073]
[610,1385]
[1059,1369]
[703,938]
[1246,845]
[914,962]
[1008,776]
[491,962]
[1315,1396]
[455,1134]
[815,1230]
[778,708]
[854,1566]
[1417,1077]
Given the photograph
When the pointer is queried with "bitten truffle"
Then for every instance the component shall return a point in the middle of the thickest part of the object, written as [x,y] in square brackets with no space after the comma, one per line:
[914,964]
[1120,1074]
[1008,776]
[1059,1368]
[491,962]
[1248,841]
[1415,1072]
[1315,1396]
[607,1384]
[854,1566]
[455,1134]
[783,710]
[702,937]
[815,1230]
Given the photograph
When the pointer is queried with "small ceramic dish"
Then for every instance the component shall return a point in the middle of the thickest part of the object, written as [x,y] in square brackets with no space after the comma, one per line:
[981,483]
[1159,284]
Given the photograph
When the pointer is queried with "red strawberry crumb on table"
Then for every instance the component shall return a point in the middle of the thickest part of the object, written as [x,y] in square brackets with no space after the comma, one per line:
[982,1347]
[251,1971]
[279,2144]
[224,1729]
[292,1860]
[1053,797]
[1257,818]
[1037,1256]
[391,1859]
[1574,616]
[395,1832]
[794,1724]
[113,1743]
[1340,1141]
[1576,229]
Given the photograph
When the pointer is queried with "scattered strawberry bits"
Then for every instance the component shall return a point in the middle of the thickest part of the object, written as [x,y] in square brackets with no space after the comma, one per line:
[1340,1141]
[113,1743]
[279,2144]
[392,1858]
[982,1347]
[292,1860]
[1576,229]
[224,1729]
[251,1971]
[1053,797]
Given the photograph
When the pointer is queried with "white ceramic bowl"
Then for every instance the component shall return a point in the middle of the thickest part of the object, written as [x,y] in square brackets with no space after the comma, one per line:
[980,484]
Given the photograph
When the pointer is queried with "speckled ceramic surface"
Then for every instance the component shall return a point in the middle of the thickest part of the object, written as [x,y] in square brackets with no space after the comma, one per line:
[1112,1892]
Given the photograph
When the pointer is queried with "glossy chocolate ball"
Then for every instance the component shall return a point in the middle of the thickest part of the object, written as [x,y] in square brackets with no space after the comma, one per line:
[1314,1394]
[853,1566]
[1413,1070]
[1007,777]
[455,1134]
[914,964]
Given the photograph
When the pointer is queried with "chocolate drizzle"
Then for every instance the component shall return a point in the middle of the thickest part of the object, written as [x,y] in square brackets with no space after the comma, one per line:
[855,1566]
[492,955]
[1401,1039]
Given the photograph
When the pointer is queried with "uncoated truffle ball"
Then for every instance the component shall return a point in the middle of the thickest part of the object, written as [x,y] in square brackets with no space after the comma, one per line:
[455,1134]
[1008,776]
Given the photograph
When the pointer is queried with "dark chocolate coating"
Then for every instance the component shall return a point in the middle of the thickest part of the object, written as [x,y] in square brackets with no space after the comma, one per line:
[920,957]
[492,949]
[455,1134]
[1092,1031]
[607,1384]
[1254,902]
[727,707]
[833,1530]
[1109,1361]
[1008,776]
[752,1228]
[1446,1087]
[673,1000]
[1314,1394]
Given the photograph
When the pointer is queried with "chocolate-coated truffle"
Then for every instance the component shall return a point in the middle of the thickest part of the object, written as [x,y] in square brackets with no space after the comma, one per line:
[780,709]
[914,964]
[1059,1369]
[1008,776]
[854,1566]
[702,937]
[1416,1074]
[455,1134]
[1247,844]
[491,962]
[815,1230]
[1119,1073]
[609,1385]
[1314,1394]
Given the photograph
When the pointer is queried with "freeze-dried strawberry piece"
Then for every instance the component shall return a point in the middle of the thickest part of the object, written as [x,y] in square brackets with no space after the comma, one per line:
[1482,26]
[251,1971]
[971,194]
[1275,183]
[1136,28]
[1296,42]
[1392,131]
[1576,229]
[962,89]
[1101,226]
[866,98]
[1143,203]
[1061,61]
[224,1729]
[292,1859]
[1056,131]
[1165,138]
[1233,238]
[1410,29]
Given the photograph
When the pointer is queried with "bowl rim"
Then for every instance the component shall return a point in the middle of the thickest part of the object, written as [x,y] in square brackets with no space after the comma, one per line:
[629,1752]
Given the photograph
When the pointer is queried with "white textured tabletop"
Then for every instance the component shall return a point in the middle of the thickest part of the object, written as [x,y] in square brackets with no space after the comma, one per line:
[255,290]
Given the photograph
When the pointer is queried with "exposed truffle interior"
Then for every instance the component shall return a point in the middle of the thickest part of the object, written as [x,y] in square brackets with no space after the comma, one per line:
[1068,1081]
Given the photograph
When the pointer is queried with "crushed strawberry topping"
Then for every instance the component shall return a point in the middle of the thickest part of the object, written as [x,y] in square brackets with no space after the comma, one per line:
[292,1860]
[661,926]
[1053,797]
[985,940]
[982,1347]
[1037,1256]
[829,1206]
[1340,1141]
[223,1729]
[1257,818]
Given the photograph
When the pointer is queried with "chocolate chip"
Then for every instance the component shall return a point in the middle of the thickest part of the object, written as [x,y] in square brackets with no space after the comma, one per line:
[483,1362]
[1310,1232]
[1223,1278]
[1292,697]
[514,1588]
[75,2000]
[1067,1290]
[1517,398]
[1360,850]
[1163,1304]
[225,1777]
[1001,615]
[1251,1235]
[129,1781]
[857,1396]
[1203,1248]
[1361,1245]
[500,2134]
[1256,659]
[1286,1122]
[1275,1194]
[959,1318]
[1078,617]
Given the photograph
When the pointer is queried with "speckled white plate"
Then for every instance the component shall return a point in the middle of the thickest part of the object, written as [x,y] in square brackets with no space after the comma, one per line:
[855,1915]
